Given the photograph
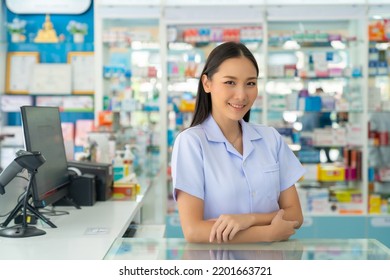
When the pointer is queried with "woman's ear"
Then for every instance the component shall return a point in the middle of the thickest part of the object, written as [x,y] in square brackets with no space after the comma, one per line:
[206,83]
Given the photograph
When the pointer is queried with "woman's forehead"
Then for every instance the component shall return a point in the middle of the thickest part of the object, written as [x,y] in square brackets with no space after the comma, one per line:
[237,66]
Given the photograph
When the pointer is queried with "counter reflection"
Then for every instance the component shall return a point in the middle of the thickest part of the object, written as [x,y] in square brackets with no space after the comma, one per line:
[305,249]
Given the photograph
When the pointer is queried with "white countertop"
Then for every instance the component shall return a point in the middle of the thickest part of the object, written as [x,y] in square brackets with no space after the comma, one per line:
[82,234]
[85,233]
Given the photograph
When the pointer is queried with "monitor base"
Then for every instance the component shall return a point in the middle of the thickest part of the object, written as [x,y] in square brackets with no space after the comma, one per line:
[20,231]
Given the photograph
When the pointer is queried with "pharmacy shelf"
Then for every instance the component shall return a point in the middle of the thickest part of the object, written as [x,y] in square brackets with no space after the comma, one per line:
[304,56]
[130,84]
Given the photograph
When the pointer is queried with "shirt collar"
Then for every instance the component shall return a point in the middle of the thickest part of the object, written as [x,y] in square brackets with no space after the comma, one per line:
[214,133]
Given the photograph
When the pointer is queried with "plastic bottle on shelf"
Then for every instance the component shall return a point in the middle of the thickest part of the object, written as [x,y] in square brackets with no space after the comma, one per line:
[128,159]
[384,206]
[111,147]
[388,205]
[118,166]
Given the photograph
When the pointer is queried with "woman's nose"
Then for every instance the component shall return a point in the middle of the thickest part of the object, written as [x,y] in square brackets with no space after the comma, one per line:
[241,92]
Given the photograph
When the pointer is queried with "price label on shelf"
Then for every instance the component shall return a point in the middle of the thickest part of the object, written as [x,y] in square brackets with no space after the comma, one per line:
[380,222]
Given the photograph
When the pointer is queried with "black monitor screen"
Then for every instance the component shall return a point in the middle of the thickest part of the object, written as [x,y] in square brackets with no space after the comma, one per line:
[42,132]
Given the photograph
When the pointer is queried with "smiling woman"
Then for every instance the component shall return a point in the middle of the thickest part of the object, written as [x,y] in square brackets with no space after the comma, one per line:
[233,180]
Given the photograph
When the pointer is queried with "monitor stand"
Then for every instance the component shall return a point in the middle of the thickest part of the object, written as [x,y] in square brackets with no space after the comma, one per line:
[21,231]
[67,201]
[30,208]
[24,230]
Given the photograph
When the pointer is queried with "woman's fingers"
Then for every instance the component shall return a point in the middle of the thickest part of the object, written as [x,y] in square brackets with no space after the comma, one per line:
[223,231]
[226,227]
[213,233]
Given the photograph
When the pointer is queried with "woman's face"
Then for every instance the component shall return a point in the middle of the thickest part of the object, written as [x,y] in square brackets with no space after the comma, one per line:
[233,89]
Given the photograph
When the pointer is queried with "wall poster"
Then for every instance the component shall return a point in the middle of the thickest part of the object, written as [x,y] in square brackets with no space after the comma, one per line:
[19,71]
[83,72]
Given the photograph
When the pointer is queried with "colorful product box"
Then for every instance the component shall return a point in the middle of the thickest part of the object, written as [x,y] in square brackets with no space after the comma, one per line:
[306,140]
[125,191]
[309,156]
[331,173]
[350,208]
[374,204]
[276,71]
[323,137]
[384,174]
[318,200]
[290,70]
[350,174]
[328,103]
[313,103]
[339,136]
[335,72]
[376,31]
[277,102]
[348,195]
[354,135]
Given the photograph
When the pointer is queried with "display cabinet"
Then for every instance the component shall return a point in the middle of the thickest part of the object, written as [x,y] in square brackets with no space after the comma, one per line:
[129,86]
[315,96]
[379,112]
[131,83]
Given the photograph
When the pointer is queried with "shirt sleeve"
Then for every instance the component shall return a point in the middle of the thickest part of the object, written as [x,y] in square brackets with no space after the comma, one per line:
[187,165]
[291,169]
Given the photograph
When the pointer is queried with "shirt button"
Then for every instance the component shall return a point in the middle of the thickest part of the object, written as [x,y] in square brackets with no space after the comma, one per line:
[244,163]
[253,194]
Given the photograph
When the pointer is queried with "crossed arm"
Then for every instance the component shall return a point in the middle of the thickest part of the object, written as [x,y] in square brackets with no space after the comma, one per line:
[240,228]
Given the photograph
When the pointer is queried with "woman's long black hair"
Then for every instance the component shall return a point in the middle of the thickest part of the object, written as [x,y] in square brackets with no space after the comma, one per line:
[215,59]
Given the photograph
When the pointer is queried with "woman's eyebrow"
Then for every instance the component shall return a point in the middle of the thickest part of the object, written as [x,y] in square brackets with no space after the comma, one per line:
[232,77]
[229,77]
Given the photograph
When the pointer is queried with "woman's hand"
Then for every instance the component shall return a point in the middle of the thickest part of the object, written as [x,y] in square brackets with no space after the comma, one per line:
[226,227]
[282,229]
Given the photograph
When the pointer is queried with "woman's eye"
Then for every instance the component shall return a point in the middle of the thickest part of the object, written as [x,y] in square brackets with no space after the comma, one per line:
[252,84]
[229,83]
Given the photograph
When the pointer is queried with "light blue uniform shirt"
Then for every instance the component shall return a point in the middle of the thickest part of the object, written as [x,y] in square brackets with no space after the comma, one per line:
[205,165]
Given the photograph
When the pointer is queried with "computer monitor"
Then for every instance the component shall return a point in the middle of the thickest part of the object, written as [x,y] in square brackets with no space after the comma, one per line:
[42,132]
